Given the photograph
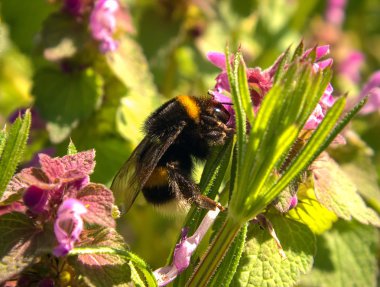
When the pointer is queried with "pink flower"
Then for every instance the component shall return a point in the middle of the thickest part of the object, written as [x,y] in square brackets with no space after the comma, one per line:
[35,199]
[335,13]
[372,90]
[103,24]
[293,202]
[184,249]
[68,225]
[261,81]
[350,66]
[74,7]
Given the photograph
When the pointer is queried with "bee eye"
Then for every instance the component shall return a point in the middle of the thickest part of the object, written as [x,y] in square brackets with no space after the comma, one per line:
[221,114]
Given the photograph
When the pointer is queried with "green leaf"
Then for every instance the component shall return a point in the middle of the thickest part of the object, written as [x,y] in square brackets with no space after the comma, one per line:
[242,83]
[75,95]
[283,59]
[282,115]
[310,212]
[17,231]
[142,93]
[135,276]
[346,257]
[312,149]
[103,260]
[363,174]
[128,59]
[227,268]
[335,190]
[107,165]
[110,266]
[240,117]
[262,265]
[355,159]
[3,140]
[298,51]
[114,270]
[61,37]
[71,149]
[24,25]
[140,264]
[13,149]
[130,116]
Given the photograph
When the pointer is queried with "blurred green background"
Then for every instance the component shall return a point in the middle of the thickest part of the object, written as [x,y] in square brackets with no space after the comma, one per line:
[49,61]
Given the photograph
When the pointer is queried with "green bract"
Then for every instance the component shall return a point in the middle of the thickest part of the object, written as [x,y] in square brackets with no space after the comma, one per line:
[263,143]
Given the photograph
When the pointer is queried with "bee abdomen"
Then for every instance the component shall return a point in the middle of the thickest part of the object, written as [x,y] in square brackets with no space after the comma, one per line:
[156,189]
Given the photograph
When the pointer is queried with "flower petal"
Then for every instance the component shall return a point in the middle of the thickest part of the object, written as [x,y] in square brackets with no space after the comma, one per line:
[373,103]
[315,118]
[327,99]
[325,63]
[218,59]
[35,199]
[321,51]
[184,249]
[68,225]
[373,82]
[335,11]
[350,66]
[103,23]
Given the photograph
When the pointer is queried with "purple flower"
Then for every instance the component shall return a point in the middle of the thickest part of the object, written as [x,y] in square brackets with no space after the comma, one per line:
[35,199]
[184,249]
[42,189]
[293,202]
[60,195]
[68,225]
[350,66]
[335,11]
[372,90]
[103,24]
[74,7]
[261,81]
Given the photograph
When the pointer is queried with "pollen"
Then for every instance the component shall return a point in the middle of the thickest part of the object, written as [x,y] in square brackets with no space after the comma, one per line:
[191,107]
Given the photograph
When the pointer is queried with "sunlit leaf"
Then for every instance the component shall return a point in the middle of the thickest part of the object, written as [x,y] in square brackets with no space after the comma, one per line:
[310,212]
[17,231]
[13,149]
[63,98]
[335,190]
[261,263]
[346,257]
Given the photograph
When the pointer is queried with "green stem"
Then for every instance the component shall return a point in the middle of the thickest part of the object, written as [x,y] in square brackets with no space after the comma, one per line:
[214,255]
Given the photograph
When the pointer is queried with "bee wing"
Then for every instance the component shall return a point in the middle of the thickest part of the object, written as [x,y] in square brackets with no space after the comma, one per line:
[133,175]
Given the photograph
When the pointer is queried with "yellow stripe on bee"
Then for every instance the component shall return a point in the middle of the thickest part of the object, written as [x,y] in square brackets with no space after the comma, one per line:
[191,107]
[159,177]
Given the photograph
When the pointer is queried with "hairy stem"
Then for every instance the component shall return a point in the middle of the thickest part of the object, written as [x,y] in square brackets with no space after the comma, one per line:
[214,255]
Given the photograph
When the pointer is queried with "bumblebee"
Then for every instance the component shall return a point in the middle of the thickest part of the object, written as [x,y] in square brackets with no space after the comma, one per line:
[181,130]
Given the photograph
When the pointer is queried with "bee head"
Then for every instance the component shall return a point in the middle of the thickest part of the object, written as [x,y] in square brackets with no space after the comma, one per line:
[217,111]
[220,113]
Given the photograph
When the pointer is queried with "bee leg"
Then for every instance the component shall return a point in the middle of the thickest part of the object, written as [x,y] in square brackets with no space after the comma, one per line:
[185,188]
[207,203]
[215,137]
[215,131]
[214,123]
